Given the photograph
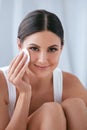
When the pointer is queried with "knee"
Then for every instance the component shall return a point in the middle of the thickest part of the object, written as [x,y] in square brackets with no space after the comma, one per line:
[51,112]
[48,116]
[71,102]
[73,107]
[51,108]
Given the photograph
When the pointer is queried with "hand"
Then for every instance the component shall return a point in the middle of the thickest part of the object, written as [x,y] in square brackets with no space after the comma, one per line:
[17,74]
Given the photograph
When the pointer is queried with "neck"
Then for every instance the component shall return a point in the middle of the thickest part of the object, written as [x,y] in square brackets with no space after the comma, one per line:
[38,82]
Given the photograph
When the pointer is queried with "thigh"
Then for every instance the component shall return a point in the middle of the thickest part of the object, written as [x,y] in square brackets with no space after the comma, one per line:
[48,116]
[76,114]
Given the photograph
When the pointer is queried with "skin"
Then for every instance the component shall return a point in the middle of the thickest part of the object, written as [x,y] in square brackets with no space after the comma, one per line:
[34,107]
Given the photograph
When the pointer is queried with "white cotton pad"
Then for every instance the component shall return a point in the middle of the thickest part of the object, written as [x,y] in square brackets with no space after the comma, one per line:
[26,53]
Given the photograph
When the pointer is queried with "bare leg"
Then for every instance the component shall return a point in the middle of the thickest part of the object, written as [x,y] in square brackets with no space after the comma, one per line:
[49,116]
[76,114]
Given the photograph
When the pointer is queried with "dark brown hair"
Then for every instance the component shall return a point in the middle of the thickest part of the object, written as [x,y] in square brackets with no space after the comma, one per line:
[40,20]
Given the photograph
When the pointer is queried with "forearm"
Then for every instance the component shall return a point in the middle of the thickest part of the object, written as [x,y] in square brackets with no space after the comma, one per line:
[19,118]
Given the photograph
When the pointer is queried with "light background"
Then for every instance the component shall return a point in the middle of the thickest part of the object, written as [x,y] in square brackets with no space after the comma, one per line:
[72,13]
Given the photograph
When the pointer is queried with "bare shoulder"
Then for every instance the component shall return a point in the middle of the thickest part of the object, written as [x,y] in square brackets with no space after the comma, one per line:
[70,78]
[3,88]
[4,114]
[73,88]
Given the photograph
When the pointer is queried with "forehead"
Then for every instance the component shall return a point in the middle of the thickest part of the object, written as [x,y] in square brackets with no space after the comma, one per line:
[45,37]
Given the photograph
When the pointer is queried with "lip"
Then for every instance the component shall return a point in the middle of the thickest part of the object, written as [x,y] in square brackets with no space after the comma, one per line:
[42,67]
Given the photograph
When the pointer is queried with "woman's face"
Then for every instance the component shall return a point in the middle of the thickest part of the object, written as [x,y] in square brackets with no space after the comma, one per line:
[44,49]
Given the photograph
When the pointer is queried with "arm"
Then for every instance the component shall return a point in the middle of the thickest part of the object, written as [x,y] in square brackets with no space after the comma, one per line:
[74,102]
[19,118]
[4,114]
[73,88]
[18,76]
[20,115]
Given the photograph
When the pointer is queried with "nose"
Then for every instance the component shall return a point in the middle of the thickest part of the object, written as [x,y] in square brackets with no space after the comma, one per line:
[42,58]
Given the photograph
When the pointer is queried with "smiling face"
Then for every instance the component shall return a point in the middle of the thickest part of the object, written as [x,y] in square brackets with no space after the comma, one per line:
[44,49]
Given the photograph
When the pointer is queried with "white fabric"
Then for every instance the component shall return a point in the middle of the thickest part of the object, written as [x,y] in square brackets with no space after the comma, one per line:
[57,88]
[57,85]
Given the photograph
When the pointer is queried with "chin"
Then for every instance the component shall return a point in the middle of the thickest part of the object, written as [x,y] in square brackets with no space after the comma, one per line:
[42,74]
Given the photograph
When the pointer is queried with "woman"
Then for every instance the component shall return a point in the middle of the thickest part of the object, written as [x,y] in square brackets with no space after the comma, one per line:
[38,95]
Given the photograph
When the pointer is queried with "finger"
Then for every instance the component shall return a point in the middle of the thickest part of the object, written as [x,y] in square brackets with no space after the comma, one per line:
[21,67]
[26,78]
[15,63]
[27,70]
[22,71]
[12,62]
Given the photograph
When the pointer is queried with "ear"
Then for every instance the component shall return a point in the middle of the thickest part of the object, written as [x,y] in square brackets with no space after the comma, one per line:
[19,44]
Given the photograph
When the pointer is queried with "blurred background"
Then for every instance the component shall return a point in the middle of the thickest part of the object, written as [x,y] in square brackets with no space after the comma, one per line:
[72,13]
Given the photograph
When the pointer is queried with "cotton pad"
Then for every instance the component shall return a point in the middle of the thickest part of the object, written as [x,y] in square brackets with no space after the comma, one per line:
[26,53]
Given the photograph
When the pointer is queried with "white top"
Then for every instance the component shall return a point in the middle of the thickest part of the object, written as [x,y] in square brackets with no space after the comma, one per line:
[57,85]
[57,88]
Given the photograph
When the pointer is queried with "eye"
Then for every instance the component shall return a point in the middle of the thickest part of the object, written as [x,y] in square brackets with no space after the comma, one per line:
[34,48]
[52,49]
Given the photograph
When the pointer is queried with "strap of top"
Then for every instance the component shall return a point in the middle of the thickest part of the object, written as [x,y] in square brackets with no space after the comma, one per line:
[11,91]
[58,86]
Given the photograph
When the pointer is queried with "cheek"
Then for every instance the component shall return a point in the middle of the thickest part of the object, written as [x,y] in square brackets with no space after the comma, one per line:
[33,57]
[55,59]
[56,62]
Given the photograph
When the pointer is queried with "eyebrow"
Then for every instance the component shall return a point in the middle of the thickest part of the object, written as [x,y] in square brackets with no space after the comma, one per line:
[40,47]
[34,45]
